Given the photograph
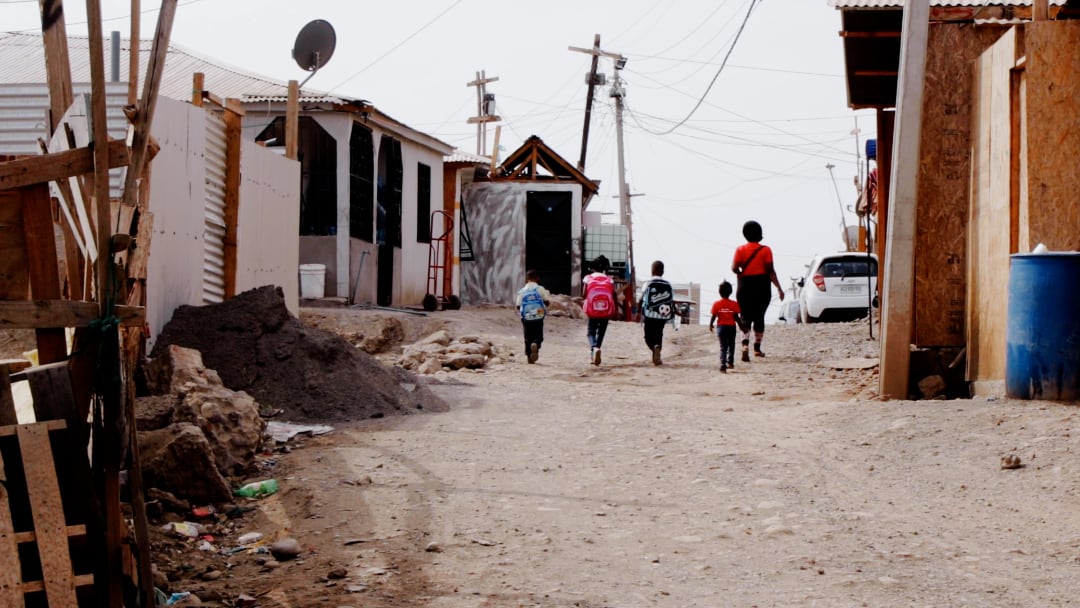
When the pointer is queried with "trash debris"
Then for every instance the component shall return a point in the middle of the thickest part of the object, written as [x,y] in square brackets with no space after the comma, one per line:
[1010,461]
[257,489]
[184,529]
[284,431]
[250,538]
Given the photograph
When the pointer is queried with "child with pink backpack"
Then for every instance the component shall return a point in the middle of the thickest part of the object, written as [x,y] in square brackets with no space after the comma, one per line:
[599,305]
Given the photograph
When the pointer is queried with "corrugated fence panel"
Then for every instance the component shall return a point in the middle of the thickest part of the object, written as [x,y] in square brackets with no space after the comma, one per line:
[214,211]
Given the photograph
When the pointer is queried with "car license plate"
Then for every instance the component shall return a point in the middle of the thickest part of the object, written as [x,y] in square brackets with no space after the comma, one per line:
[850,288]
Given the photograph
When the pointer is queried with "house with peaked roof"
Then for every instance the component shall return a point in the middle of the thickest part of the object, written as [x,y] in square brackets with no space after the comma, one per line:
[526,215]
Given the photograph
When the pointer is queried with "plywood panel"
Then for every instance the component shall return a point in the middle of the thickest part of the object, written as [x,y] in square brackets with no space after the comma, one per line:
[944,181]
[1052,135]
[989,226]
[14,276]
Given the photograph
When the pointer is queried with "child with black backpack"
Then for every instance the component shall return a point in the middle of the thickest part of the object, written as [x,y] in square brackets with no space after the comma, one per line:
[599,305]
[532,301]
[657,306]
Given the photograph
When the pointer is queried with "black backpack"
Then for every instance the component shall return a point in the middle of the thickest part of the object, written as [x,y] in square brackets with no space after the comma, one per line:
[658,300]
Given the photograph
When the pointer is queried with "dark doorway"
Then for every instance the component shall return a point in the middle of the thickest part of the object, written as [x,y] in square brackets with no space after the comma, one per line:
[317,153]
[387,217]
[547,238]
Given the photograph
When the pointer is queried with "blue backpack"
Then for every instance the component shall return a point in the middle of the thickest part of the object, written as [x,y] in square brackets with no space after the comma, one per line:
[532,305]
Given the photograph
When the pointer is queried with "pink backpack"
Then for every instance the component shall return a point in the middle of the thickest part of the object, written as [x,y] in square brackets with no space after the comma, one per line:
[599,297]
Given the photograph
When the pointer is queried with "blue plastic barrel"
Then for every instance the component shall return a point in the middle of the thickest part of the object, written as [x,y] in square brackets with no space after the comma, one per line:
[1042,357]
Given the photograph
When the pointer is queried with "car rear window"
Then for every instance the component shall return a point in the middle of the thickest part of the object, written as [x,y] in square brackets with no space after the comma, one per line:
[849,267]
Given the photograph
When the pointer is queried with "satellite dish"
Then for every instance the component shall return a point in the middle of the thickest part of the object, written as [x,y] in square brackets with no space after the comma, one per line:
[314,45]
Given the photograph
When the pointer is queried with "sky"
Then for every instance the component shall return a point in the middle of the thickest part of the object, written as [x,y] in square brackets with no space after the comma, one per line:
[734,109]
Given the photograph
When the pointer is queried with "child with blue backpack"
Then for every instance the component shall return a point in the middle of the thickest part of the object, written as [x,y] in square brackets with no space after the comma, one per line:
[532,301]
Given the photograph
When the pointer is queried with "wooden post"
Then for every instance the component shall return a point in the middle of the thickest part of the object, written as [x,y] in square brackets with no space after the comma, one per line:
[145,117]
[898,297]
[41,262]
[1040,10]
[292,121]
[57,62]
[234,115]
[197,86]
[133,55]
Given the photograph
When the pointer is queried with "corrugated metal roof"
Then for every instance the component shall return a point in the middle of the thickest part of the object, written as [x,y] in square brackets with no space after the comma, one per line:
[966,3]
[22,60]
[461,156]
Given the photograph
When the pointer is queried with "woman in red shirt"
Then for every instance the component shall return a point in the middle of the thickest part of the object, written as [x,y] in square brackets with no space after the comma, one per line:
[753,264]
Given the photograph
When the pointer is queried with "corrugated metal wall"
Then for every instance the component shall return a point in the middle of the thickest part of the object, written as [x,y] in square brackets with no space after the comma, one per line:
[214,210]
[24,117]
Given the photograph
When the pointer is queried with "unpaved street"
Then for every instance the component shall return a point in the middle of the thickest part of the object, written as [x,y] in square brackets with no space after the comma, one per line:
[781,484]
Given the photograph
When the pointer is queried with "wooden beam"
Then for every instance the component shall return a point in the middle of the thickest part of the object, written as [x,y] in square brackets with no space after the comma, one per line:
[57,61]
[1041,10]
[155,71]
[133,54]
[10,568]
[232,197]
[59,165]
[898,296]
[33,314]
[41,263]
[292,121]
[44,491]
[198,85]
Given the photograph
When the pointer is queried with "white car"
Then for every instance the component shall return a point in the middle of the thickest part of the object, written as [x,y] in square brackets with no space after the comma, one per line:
[838,285]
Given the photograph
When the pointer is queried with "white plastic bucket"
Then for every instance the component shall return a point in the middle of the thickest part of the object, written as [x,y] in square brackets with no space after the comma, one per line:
[312,280]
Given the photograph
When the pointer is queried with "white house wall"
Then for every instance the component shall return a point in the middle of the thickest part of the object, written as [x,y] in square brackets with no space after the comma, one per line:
[178,268]
[267,248]
[496,215]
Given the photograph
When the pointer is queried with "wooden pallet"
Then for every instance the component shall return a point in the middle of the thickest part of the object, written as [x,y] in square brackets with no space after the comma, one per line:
[40,521]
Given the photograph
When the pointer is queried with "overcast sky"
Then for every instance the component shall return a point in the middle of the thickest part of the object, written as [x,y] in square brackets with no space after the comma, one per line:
[769,119]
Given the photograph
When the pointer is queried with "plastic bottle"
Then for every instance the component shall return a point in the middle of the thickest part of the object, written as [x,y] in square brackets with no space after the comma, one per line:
[256,489]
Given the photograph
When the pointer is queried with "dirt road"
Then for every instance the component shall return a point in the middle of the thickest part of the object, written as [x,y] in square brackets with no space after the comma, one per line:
[781,484]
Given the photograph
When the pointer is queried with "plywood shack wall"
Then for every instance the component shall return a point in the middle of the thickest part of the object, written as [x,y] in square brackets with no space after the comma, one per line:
[944,181]
[1025,178]
[989,225]
[1052,136]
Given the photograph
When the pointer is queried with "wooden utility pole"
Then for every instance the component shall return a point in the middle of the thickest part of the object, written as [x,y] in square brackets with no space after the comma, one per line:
[592,82]
[898,297]
[483,115]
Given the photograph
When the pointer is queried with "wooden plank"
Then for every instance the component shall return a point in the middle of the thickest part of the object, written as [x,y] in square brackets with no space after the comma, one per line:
[81,580]
[292,121]
[944,184]
[49,526]
[51,425]
[44,273]
[141,255]
[155,71]
[58,165]
[50,385]
[31,536]
[33,314]
[898,295]
[57,61]
[14,279]
[10,568]
[198,85]
[133,53]
[7,402]
[233,122]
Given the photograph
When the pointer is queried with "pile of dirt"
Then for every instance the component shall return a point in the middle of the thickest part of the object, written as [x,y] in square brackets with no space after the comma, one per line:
[257,346]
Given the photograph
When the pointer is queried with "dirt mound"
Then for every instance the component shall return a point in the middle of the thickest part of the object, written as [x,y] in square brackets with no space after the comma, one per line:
[256,346]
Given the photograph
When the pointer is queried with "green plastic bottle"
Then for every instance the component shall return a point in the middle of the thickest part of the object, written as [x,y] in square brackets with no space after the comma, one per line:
[256,489]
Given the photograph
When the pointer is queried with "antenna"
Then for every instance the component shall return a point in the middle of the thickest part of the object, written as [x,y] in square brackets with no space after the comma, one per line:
[314,46]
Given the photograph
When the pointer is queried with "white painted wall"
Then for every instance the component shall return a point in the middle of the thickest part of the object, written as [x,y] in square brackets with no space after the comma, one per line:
[268,250]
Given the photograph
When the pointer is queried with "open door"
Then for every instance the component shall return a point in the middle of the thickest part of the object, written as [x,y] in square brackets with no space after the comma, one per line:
[548,240]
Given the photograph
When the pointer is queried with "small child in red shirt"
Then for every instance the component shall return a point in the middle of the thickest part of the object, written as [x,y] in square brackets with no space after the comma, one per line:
[726,318]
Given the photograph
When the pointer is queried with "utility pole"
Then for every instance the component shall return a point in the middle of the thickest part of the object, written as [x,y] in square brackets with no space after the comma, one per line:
[485,107]
[592,81]
[617,92]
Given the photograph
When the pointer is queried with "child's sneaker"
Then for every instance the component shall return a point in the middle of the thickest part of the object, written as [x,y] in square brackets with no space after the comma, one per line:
[723,368]
[656,355]
[596,356]
[745,355]
[534,352]
[758,353]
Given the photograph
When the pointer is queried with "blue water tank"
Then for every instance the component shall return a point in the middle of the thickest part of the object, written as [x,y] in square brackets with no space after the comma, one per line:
[1042,357]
